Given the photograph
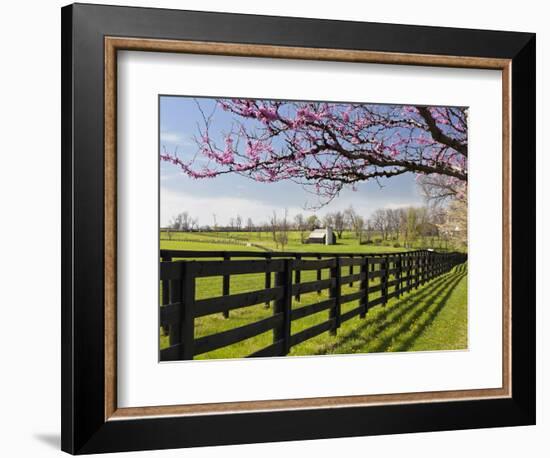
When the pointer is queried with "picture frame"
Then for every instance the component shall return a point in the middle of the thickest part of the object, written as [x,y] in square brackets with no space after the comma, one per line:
[92,35]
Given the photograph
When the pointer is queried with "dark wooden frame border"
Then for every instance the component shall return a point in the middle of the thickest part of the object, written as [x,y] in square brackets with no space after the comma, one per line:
[91,35]
[114,44]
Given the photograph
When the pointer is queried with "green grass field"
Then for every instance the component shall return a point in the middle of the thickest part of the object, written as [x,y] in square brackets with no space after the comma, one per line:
[262,241]
[433,317]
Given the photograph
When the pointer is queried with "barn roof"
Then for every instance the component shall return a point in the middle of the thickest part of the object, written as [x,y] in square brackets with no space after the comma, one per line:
[318,234]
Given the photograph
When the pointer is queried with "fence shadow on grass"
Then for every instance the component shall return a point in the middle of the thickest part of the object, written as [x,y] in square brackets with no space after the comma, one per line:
[404,320]
[432,309]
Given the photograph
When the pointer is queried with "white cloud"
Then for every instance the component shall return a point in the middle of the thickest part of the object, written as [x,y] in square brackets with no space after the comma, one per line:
[397,206]
[169,177]
[236,202]
[172,203]
[167,136]
[170,137]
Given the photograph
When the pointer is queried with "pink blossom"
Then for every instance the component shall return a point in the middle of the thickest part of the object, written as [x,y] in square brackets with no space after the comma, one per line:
[268,114]
[329,144]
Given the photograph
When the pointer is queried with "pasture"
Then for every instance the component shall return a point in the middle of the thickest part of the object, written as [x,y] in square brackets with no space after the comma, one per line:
[432,317]
[263,241]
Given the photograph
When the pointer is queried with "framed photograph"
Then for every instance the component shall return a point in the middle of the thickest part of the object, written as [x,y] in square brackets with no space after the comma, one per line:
[284,228]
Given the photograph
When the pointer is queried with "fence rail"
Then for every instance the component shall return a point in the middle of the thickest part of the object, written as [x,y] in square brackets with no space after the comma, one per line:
[395,274]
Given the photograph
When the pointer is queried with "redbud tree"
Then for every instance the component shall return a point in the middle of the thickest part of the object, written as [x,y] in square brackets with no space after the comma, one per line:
[330,145]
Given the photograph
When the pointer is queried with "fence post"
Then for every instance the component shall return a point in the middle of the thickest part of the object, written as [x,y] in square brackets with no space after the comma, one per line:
[422,268]
[399,268]
[417,271]
[165,290]
[413,270]
[187,325]
[364,286]
[335,292]
[319,273]
[174,296]
[226,285]
[351,272]
[284,306]
[298,277]
[409,271]
[386,265]
[428,266]
[267,278]
[428,275]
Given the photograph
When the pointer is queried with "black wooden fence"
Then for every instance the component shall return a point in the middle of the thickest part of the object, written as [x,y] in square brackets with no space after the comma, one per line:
[395,274]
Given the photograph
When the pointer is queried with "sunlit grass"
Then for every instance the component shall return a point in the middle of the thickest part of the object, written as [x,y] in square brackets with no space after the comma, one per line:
[433,317]
[263,241]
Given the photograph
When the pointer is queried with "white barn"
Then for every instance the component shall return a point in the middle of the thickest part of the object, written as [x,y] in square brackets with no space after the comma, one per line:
[322,236]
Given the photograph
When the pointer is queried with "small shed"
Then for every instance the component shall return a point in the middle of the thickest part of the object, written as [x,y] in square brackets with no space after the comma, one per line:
[322,236]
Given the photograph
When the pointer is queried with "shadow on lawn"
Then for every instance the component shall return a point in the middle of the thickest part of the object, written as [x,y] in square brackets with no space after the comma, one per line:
[407,318]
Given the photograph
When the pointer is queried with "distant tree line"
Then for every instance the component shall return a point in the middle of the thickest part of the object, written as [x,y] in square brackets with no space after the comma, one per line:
[443,218]
[407,227]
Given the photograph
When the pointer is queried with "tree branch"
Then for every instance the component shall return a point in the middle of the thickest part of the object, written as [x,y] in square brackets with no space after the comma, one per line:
[438,134]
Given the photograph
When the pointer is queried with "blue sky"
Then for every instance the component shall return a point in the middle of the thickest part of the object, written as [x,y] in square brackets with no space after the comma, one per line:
[230,195]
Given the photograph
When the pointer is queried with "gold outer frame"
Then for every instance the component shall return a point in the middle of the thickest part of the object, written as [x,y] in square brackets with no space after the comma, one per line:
[114,44]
